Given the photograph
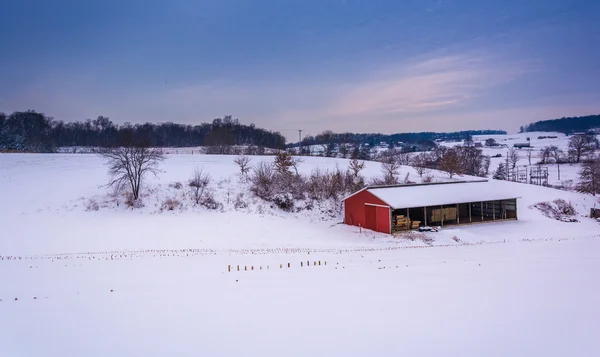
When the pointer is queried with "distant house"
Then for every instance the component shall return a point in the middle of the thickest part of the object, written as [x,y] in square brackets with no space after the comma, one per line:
[388,209]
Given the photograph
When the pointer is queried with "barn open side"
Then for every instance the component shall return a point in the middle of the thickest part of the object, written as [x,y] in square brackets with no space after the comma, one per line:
[389,209]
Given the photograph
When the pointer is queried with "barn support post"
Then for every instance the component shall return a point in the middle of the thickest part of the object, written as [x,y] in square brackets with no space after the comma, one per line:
[494,210]
[425,214]
[457,215]
[391,223]
[481,211]
[442,214]
[470,217]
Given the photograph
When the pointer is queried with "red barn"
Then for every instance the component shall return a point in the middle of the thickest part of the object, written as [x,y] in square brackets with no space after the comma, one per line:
[388,209]
[366,210]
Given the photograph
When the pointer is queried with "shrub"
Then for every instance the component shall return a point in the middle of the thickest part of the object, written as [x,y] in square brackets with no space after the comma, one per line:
[284,201]
[556,209]
[170,204]
[131,202]
[240,202]
[198,183]
[209,202]
[565,208]
[92,205]
[176,185]
[262,180]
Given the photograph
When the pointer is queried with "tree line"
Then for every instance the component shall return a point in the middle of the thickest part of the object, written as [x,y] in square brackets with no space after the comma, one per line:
[35,132]
[565,125]
[329,137]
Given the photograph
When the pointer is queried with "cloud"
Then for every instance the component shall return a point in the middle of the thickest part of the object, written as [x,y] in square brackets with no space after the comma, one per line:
[416,87]
[435,92]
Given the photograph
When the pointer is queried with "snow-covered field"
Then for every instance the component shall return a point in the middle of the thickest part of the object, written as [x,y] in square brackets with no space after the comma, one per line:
[147,282]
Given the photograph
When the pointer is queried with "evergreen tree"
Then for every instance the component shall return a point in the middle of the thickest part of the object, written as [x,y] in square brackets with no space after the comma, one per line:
[589,177]
[500,173]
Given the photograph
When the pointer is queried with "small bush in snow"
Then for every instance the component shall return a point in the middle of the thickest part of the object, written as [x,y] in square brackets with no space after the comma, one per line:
[170,204]
[564,207]
[240,203]
[209,202]
[243,162]
[556,209]
[262,180]
[92,205]
[131,202]
[176,185]
[284,201]
[199,183]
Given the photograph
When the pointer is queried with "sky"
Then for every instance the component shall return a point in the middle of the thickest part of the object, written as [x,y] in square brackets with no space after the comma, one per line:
[341,65]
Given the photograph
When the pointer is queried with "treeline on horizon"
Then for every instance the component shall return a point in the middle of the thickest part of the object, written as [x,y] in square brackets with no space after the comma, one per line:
[35,132]
[328,137]
[567,125]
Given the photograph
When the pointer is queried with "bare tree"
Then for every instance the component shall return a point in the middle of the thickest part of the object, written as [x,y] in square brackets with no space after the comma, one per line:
[296,161]
[419,163]
[391,169]
[556,154]
[513,157]
[589,176]
[581,145]
[344,150]
[546,153]
[485,166]
[404,158]
[450,162]
[356,166]
[199,182]
[127,166]
[529,152]
[243,162]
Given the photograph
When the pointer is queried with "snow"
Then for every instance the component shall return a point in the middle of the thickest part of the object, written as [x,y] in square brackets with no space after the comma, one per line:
[147,282]
[443,194]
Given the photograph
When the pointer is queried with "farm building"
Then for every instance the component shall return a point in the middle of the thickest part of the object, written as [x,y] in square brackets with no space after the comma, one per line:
[389,209]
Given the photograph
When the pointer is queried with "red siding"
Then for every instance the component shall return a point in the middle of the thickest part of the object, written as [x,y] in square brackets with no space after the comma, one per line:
[371,217]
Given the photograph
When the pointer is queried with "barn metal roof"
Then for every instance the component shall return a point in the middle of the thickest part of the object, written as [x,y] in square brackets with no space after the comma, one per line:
[442,194]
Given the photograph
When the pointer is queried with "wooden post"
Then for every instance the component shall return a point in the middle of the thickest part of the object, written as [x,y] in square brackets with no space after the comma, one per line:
[288,265]
[229,268]
[425,214]
[238,268]
[457,215]
[301,264]
[442,214]
[494,210]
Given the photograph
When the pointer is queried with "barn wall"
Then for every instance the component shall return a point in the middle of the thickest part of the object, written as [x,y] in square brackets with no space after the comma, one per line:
[355,212]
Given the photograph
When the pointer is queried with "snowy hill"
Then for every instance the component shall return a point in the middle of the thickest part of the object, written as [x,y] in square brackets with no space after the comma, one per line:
[152,282]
